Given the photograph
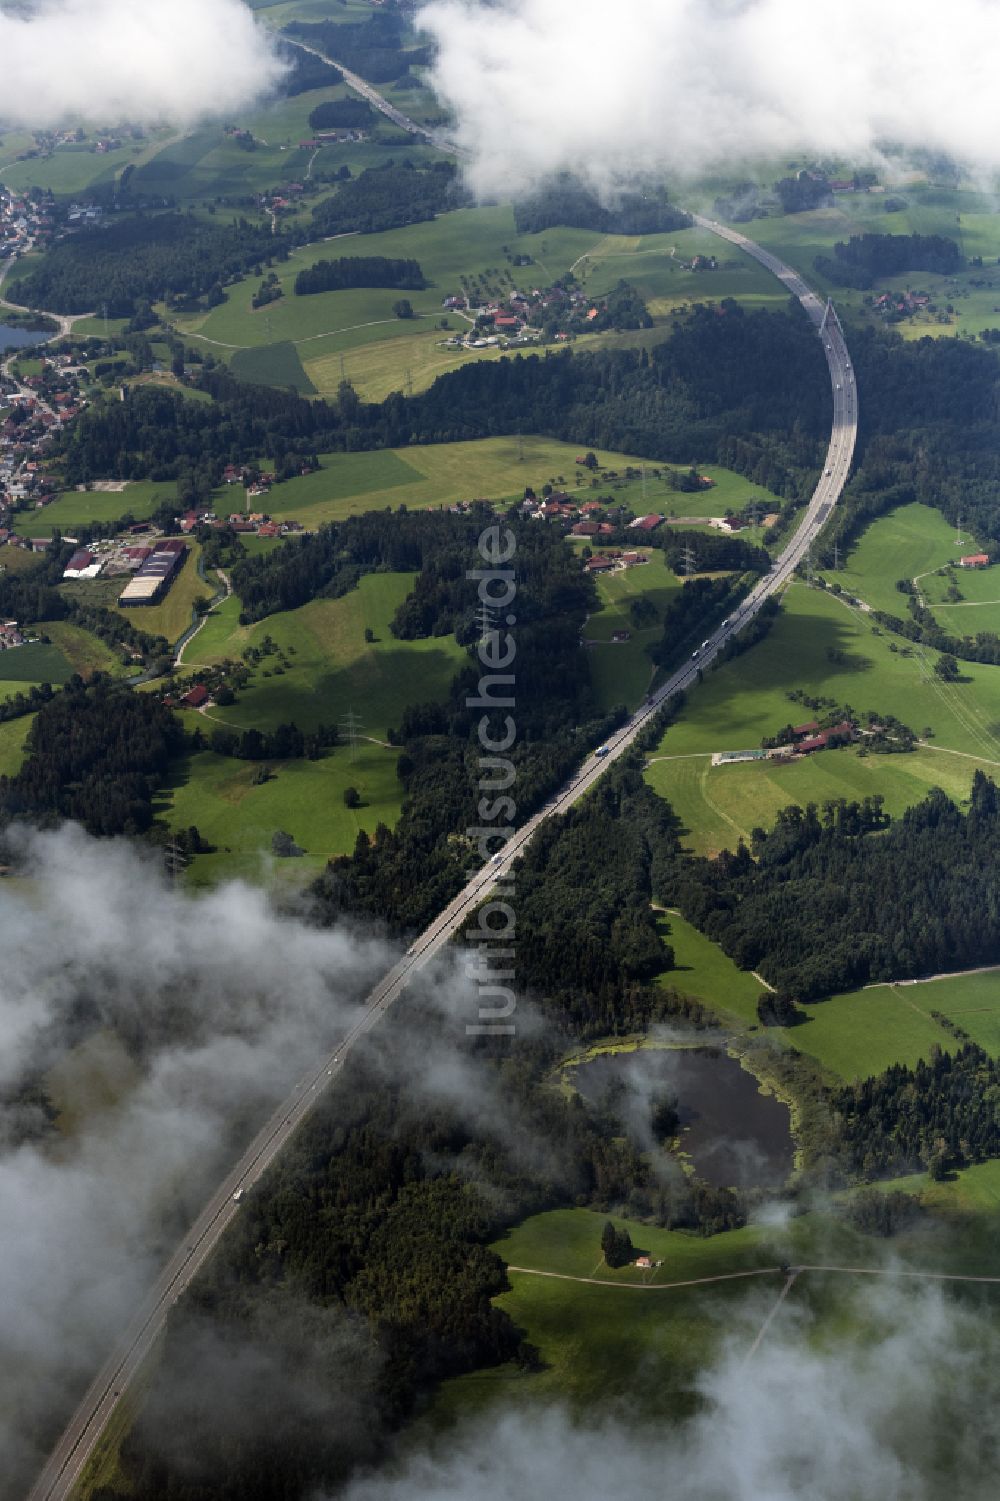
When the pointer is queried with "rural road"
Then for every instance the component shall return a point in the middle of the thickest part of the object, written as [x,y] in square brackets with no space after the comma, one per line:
[70,1455]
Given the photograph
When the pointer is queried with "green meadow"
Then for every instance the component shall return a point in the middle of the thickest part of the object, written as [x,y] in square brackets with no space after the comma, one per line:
[719,805]
[702,969]
[331,669]
[303,798]
[910,543]
[13,735]
[439,474]
[964,215]
[632,1340]
[322,671]
[75,508]
[656,265]
[864,1031]
[622,671]
[822,646]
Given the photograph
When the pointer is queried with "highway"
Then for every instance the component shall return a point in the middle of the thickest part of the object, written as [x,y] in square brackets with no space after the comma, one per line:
[65,1464]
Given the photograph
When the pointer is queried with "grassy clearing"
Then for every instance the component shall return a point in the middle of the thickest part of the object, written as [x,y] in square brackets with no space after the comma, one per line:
[601,1344]
[909,543]
[76,508]
[331,669]
[84,653]
[820,645]
[717,805]
[703,970]
[622,671]
[13,734]
[439,474]
[568,1241]
[273,365]
[19,560]
[965,216]
[303,798]
[35,663]
[864,1031]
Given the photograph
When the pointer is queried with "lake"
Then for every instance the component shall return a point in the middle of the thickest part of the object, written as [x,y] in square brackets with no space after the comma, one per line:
[735,1136]
[20,338]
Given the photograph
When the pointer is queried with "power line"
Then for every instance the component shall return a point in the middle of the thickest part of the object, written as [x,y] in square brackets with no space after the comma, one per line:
[175,860]
[352,724]
[690,561]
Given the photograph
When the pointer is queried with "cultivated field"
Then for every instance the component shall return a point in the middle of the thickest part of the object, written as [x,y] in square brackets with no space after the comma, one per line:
[439,474]
[35,663]
[76,508]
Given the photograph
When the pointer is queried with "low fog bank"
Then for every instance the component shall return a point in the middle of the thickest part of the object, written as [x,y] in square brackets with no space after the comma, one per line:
[147,62]
[899,1404]
[543,86]
[203,1011]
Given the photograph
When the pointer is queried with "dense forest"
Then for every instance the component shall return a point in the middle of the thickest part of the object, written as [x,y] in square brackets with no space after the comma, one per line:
[803,192]
[566,201]
[145,259]
[930,432]
[374,47]
[306,72]
[370,1236]
[328,562]
[861,260]
[404,875]
[342,114]
[359,271]
[818,906]
[749,390]
[388,197]
[938,1116]
[96,753]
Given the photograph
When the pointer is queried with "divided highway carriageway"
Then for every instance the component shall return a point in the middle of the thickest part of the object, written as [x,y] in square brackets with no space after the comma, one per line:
[81,1437]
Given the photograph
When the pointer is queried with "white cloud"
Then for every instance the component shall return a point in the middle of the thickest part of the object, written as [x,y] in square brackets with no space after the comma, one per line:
[221,1002]
[539,86]
[144,61]
[885,1409]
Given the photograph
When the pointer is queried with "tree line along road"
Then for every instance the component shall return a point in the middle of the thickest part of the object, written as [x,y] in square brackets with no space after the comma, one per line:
[71,1453]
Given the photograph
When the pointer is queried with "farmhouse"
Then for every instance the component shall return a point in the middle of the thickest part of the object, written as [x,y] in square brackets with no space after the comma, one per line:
[195,697]
[975,560]
[838,735]
[645,523]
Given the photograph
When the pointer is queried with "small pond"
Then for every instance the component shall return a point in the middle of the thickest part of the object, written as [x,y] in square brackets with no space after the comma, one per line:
[734,1135]
[21,338]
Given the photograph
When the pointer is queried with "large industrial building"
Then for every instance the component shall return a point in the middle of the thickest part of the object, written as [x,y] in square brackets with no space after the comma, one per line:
[156,574]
